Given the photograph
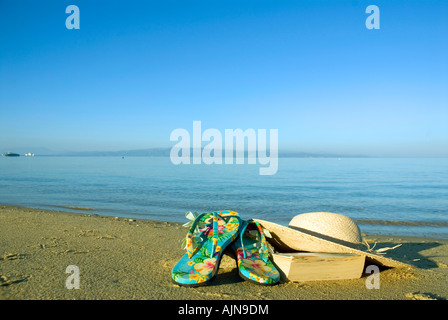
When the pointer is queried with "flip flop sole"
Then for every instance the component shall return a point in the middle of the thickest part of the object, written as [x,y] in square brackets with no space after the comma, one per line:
[266,284]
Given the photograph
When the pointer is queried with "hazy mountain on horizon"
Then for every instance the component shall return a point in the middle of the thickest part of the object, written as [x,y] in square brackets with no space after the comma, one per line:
[157,152]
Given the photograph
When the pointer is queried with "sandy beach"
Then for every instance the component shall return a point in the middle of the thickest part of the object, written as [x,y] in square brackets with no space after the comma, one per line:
[122,258]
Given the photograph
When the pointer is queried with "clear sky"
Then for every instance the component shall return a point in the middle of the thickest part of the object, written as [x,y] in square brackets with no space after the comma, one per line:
[137,70]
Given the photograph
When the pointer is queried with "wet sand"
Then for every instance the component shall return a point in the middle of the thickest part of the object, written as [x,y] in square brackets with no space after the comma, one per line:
[121,258]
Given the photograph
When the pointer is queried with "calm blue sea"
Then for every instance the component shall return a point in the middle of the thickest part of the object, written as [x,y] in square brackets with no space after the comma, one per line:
[411,192]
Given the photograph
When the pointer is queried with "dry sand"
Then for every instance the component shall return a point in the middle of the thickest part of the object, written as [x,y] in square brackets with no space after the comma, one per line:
[125,259]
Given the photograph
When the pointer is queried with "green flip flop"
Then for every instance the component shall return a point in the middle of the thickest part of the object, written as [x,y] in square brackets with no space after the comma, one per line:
[252,254]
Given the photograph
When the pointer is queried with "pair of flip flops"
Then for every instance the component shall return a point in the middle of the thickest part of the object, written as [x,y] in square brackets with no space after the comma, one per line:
[209,235]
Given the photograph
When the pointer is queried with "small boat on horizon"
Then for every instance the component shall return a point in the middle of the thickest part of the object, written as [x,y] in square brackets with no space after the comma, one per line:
[11,154]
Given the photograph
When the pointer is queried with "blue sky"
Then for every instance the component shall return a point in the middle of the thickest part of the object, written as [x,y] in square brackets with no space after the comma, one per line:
[136,70]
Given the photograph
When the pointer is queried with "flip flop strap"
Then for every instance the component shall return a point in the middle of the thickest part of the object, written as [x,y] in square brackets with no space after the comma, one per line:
[265,251]
[243,229]
[264,244]
[215,233]
[190,235]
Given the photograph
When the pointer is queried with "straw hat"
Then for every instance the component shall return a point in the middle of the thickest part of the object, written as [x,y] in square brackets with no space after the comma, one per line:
[323,232]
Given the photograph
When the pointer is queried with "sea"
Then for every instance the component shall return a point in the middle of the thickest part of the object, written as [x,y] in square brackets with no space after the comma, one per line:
[385,196]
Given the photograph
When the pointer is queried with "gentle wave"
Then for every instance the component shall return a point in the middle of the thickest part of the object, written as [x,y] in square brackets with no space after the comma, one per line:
[403,223]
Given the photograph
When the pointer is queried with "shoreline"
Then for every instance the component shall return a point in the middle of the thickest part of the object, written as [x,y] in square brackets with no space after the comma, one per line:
[363,223]
[131,259]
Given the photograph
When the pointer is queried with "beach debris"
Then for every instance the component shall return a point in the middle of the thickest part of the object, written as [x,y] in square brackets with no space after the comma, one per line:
[4,281]
[77,252]
[78,208]
[381,250]
[73,251]
[107,236]
[422,296]
[369,249]
[87,233]
[11,256]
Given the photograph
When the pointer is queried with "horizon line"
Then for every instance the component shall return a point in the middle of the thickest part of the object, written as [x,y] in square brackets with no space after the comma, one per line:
[165,151]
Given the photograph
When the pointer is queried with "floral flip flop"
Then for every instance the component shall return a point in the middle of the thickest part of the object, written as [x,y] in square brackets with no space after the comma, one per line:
[209,235]
[252,254]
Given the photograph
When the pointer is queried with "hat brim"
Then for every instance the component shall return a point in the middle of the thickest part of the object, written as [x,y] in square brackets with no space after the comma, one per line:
[288,239]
